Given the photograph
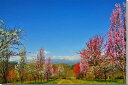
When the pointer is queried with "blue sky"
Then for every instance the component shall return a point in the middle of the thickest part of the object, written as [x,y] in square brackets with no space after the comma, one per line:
[61,27]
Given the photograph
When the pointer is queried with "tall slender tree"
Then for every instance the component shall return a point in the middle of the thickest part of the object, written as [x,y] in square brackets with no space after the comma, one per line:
[48,68]
[40,61]
[116,44]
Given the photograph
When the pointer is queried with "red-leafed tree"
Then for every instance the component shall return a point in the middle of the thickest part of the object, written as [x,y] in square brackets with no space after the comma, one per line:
[91,55]
[11,77]
[77,69]
[54,74]
[54,69]
[116,44]
[95,47]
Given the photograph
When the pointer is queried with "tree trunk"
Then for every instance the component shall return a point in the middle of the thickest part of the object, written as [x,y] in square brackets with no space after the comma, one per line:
[112,77]
[4,78]
[35,79]
[38,79]
[105,76]
[41,78]
[4,70]
[94,70]
[22,79]
[124,77]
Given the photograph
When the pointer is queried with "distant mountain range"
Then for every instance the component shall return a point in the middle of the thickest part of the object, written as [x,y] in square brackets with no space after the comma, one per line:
[56,61]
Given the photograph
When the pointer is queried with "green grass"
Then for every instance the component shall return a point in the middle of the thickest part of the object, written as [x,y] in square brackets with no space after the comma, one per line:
[97,82]
[73,81]
[37,82]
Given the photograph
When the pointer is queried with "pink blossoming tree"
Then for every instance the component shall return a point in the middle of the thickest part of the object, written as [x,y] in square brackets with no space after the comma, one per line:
[48,68]
[91,55]
[40,61]
[83,67]
[116,44]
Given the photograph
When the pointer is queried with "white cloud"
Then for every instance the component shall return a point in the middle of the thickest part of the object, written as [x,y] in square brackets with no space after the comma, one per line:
[31,57]
[34,56]
[46,52]
[14,58]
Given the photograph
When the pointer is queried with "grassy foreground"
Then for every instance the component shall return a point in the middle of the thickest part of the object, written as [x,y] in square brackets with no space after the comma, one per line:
[74,81]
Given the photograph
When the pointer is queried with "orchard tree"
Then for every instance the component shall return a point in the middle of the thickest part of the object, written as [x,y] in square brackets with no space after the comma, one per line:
[40,61]
[21,66]
[54,71]
[77,69]
[60,70]
[84,63]
[11,77]
[105,65]
[48,68]
[9,42]
[90,56]
[116,44]
[83,67]
[32,70]
[41,57]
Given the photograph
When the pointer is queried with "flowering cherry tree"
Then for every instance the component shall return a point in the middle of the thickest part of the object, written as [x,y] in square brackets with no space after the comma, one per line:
[116,44]
[83,67]
[40,58]
[91,55]
[40,61]
[48,68]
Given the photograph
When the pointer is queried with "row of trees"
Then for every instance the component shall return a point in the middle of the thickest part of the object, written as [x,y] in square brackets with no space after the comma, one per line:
[109,55]
[38,70]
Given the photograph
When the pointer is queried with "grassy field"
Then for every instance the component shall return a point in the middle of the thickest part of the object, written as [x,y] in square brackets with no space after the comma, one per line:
[73,81]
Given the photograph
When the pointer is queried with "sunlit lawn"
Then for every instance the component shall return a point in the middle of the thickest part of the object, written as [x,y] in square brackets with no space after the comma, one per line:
[97,82]
[73,81]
